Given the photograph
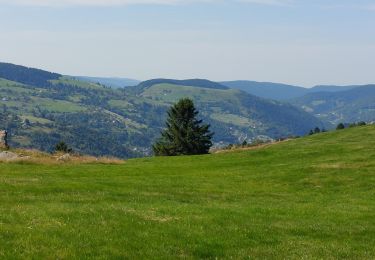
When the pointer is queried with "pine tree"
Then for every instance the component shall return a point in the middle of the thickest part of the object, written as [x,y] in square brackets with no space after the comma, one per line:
[184,133]
[340,126]
[316,130]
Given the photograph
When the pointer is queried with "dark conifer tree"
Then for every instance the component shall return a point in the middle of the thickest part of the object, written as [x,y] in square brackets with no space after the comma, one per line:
[184,133]
[340,126]
[316,130]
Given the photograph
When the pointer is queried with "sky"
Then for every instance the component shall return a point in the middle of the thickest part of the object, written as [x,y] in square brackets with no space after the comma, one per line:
[298,42]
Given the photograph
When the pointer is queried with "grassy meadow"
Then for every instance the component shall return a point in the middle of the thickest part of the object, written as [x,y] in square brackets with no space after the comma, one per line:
[308,198]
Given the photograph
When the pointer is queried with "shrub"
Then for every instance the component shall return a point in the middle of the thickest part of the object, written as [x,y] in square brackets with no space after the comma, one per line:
[63,147]
[362,123]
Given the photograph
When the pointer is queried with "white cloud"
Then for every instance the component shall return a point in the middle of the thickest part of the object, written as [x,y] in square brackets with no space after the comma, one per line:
[56,3]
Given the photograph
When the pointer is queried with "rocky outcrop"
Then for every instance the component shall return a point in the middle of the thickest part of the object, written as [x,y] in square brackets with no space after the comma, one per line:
[3,139]
[8,156]
[65,158]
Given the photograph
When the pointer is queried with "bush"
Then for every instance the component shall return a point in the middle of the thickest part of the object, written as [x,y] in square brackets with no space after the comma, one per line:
[63,147]
[362,123]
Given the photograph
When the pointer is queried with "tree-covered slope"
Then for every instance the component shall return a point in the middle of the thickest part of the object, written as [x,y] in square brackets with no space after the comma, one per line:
[98,120]
[357,104]
[310,198]
[71,111]
[25,75]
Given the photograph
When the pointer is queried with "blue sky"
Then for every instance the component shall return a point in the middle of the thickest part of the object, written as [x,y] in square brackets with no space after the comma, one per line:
[298,42]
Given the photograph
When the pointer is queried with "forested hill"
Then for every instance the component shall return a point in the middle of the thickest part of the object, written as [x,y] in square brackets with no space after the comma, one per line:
[25,75]
[97,120]
[199,83]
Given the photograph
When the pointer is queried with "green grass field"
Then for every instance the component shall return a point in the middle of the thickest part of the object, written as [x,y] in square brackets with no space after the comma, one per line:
[309,198]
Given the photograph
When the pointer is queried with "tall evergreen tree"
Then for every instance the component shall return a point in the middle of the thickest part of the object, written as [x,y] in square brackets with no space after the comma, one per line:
[317,130]
[340,126]
[184,133]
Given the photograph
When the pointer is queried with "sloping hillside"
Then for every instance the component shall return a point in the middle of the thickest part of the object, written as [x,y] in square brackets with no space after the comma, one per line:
[310,198]
[81,114]
[244,115]
[353,105]
[98,120]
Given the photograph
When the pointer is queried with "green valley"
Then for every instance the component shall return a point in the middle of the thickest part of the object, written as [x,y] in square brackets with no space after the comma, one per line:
[40,109]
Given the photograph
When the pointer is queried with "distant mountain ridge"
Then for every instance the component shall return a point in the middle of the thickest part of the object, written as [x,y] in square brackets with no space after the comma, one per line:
[331,88]
[279,91]
[276,91]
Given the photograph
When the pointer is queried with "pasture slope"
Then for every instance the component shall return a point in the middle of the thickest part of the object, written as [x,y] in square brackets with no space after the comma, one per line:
[307,198]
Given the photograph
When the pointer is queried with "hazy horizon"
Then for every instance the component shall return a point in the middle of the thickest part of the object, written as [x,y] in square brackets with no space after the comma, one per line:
[283,41]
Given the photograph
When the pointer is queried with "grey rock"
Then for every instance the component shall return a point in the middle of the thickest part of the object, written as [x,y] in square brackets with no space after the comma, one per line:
[8,156]
[64,158]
